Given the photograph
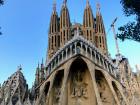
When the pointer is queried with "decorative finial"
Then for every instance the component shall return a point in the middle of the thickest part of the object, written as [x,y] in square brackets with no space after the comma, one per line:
[87,3]
[42,61]
[19,68]
[38,64]
[65,2]
[54,5]
[42,64]
[98,7]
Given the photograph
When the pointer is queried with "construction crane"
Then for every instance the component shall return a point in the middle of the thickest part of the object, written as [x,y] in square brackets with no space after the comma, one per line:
[115,36]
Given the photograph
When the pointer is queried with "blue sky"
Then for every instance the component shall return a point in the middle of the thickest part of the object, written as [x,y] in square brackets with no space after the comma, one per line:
[25,26]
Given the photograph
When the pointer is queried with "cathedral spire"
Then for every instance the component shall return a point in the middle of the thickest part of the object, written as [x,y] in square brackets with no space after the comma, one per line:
[99,20]
[38,64]
[42,74]
[64,24]
[42,61]
[88,23]
[100,37]
[42,64]
[37,76]
[53,32]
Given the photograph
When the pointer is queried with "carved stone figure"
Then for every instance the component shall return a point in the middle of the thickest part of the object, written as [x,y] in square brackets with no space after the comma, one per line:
[57,93]
[103,91]
[79,87]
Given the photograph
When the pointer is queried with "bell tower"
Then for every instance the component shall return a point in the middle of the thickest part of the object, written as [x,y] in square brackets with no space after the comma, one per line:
[100,37]
[88,23]
[64,24]
[54,37]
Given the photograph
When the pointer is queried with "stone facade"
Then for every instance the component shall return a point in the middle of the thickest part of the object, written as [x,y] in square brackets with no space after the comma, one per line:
[78,70]
[14,91]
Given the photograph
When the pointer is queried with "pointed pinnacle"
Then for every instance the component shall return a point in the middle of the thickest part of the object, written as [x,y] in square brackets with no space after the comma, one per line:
[64,2]
[54,5]
[20,67]
[38,65]
[42,61]
[87,3]
[98,7]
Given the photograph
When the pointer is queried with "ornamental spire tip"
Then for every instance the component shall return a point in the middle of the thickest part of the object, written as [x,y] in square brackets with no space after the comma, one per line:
[87,3]
[64,2]
[98,7]
[54,5]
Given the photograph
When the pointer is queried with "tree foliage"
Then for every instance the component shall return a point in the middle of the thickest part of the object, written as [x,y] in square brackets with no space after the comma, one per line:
[1,2]
[132,29]
[0,32]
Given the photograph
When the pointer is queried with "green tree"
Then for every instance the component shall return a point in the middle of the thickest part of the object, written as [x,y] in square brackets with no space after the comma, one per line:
[1,3]
[131,30]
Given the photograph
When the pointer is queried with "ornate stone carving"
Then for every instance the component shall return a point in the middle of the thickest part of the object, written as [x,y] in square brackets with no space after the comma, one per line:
[57,93]
[79,87]
[79,91]
[43,100]
[103,91]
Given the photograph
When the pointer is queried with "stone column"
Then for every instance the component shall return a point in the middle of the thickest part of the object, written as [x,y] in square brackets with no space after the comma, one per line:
[75,48]
[91,53]
[100,60]
[110,69]
[70,50]
[51,66]
[66,53]
[64,95]
[114,72]
[109,82]
[55,62]
[46,69]
[58,59]
[103,63]
[107,67]
[81,47]
[86,50]
[95,57]
[91,67]
[62,55]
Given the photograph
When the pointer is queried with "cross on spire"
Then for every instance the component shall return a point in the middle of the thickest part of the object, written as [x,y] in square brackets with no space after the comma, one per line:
[42,61]
[54,5]
[87,3]
[38,64]
[98,7]
[65,2]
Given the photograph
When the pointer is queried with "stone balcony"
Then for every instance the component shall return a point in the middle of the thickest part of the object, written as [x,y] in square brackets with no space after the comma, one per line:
[80,46]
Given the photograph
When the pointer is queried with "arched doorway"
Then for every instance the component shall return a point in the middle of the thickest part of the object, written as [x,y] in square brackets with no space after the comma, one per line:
[46,90]
[105,92]
[56,88]
[119,96]
[79,85]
